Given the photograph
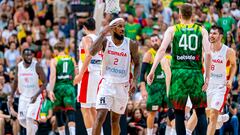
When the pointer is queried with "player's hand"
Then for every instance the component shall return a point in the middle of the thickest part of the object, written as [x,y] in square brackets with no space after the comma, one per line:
[33,99]
[205,85]
[77,79]
[43,120]
[51,96]
[109,28]
[133,86]
[144,93]
[150,77]
[229,84]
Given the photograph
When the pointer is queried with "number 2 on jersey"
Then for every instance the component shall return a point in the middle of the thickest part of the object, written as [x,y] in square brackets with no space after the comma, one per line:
[115,61]
[186,42]
[65,67]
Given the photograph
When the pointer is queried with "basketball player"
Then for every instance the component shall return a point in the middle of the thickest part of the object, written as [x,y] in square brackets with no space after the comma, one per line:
[28,74]
[89,76]
[219,84]
[156,93]
[61,89]
[188,42]
[118,53]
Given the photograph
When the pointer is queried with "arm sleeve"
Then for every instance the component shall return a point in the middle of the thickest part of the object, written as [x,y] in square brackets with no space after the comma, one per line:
[143,71]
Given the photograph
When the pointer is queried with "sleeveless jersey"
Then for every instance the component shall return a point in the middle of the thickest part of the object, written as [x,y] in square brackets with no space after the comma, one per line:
[64,70]
[218,74]
[95,64]
[116,61]
[159,75]
[187,47]
[28,82]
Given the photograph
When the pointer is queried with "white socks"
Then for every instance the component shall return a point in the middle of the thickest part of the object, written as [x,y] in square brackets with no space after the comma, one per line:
[89,131]
[168,130]
[149,131]
[61,132]
[31,127]
[72,130]
[188,132]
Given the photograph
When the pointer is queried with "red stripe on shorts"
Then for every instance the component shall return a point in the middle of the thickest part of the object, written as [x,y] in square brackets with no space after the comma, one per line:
[99,84]
[225,99]
[39,108]
[83,88]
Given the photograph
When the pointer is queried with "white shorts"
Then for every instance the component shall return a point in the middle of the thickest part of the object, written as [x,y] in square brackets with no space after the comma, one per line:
[28,110]
[216,96]
[112,96]
[87,89]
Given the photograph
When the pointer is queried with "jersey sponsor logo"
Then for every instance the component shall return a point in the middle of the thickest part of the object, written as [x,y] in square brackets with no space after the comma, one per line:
[155,107]
[115,70]
[26,80]
[217,61]
[216,75]
[96,61]
[161,76]
[121,54]
[64,77]
[188,57]
[25,74]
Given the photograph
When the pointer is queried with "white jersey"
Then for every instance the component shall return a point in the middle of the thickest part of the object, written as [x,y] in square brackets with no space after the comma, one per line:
[116,61]
[28,84]
[95,64]
[218,74]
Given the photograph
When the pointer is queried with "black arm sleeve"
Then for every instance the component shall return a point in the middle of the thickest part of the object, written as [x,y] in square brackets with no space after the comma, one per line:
[143,71]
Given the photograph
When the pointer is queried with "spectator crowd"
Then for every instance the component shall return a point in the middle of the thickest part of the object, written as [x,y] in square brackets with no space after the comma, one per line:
[40,24]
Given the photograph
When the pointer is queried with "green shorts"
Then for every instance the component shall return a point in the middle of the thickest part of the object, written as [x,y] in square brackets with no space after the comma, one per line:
[157,96]
[65,97]
[184,83]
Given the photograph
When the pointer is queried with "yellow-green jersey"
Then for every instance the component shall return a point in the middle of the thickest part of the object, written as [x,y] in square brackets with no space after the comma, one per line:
[187,47]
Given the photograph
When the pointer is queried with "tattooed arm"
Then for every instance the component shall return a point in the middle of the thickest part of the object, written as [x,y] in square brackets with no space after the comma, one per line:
[135,59]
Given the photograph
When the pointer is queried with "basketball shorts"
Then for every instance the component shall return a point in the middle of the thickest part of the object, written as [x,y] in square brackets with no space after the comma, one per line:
[87,89]
[26,109]
[184,83]
[112,96]
[65,97]
[216,96]
[157,96]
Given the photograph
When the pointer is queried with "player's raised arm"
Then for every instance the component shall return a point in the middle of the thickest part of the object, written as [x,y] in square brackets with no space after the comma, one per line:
[208,60]
[165,64]
[87,42]
[161,52]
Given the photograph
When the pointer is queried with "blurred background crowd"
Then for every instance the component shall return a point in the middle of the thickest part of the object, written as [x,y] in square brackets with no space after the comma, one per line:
[39,24]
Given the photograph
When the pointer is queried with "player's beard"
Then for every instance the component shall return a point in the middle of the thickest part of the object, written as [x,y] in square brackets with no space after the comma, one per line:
[118,37]
[28,62]
[155,47]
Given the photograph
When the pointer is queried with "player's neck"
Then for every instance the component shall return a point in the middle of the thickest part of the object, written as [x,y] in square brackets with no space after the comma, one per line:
[26,65]
[216,46]
[61,53]
[186,21]
[91,32]
[116,41]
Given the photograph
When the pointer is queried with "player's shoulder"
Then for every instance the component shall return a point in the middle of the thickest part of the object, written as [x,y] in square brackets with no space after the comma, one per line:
[230,51]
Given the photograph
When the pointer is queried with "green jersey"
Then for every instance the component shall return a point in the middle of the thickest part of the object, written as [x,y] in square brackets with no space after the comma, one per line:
[46,106]
[159,76]
[64,70]
[187,47]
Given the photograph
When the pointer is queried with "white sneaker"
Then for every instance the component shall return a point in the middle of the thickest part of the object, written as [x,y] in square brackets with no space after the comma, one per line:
[221,119]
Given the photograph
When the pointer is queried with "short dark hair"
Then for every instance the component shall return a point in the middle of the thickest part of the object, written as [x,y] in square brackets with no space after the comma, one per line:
[60,46]
[186,11]
[220,29]
[155,35]
[27,50]
[90,24]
